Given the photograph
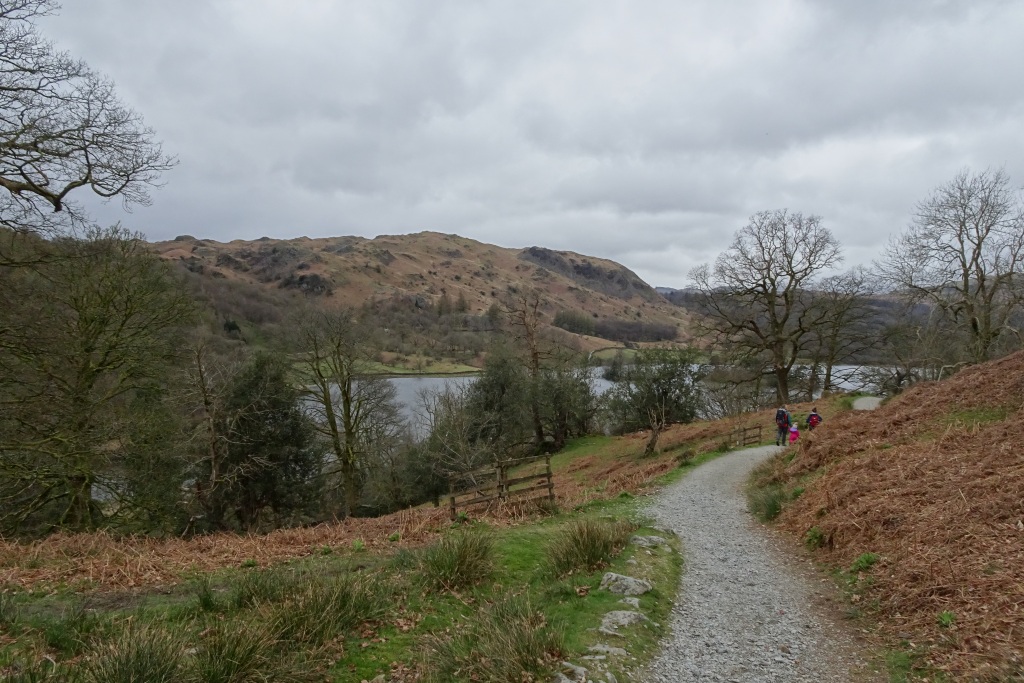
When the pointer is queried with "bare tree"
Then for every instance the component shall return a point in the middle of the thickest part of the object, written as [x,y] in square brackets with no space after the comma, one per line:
[963,253]
[354,410]
[452,443]
[843,328]
[755,299]
[523,311]
[62,128]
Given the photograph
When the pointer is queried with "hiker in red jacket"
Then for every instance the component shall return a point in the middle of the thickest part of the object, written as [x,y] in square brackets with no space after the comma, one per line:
[813,420]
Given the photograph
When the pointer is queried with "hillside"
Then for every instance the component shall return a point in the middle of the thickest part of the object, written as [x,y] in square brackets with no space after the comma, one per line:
[932,486]
[426,271]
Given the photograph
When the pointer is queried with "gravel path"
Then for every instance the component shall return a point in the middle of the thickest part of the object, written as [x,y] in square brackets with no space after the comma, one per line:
[746,609]
[866,402]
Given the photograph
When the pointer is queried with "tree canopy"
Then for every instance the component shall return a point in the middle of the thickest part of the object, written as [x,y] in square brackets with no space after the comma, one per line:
[755,298]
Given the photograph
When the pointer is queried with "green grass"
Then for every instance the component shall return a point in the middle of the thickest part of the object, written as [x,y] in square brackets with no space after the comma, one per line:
[459,560]
[490,606]
[586,545]
[977,416]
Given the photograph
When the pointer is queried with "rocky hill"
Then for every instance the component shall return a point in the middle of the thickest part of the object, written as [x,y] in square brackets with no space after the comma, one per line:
[426,269]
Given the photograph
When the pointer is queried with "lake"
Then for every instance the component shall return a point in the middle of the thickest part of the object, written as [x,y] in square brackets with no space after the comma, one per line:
[409,390]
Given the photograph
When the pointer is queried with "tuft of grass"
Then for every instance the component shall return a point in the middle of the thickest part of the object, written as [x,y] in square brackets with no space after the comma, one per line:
[946,618]
[136,654]
[587,545]
[327,608]
[766,503]
[269,585]
[508,642]
[459,560]
[814,537]
[863,562]
[206,599]
[70,633]
[10,614]
[404,558]
[234,655]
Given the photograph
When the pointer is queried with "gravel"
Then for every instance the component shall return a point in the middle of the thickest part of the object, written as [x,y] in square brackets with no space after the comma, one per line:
[867,402]
[746,609]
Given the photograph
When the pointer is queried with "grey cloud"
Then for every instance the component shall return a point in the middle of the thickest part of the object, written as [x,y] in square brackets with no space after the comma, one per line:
[647,133]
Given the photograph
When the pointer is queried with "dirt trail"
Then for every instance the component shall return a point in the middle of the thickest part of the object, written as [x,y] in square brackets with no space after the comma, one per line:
[867,402]
[747,610]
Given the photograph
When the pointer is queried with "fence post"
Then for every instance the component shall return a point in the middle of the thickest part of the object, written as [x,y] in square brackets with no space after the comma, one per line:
[551,481]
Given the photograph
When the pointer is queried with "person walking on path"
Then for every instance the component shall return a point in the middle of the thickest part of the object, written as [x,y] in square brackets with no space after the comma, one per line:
[782,423]
[794,433]
[813,420]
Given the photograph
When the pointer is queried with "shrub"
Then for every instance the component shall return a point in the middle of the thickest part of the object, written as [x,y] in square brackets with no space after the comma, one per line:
[459,560]
[136,654]
[766,502]
[587,544]
[508,642]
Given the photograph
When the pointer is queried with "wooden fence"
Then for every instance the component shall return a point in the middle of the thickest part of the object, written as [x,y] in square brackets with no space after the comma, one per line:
[746,436]
[505,480]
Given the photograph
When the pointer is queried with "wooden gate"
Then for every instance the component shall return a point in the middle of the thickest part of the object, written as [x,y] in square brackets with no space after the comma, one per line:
[746,436]
[506,480]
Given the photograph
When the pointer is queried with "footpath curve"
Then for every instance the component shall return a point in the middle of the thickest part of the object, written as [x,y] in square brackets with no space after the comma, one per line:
[746,610]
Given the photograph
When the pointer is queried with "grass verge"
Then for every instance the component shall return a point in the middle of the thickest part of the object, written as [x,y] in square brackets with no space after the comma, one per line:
[480,604]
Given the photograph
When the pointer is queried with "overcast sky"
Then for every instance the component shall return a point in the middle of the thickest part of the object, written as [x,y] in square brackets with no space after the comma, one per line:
[642,131]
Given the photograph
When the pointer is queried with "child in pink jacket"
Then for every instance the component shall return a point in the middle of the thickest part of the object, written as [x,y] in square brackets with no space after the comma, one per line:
[794,433]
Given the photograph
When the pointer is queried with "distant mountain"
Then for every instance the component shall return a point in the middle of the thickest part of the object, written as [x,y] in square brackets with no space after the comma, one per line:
[424,268]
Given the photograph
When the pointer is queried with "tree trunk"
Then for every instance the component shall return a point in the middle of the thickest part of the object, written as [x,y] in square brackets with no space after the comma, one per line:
[348,473]
[79,513]
[781,383]
[652,443]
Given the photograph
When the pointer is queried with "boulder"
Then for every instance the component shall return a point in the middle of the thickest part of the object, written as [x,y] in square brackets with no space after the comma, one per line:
[625,585]
[648,541]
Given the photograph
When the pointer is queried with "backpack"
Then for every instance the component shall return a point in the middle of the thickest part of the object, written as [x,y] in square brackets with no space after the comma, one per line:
[813,419]
[781,417]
